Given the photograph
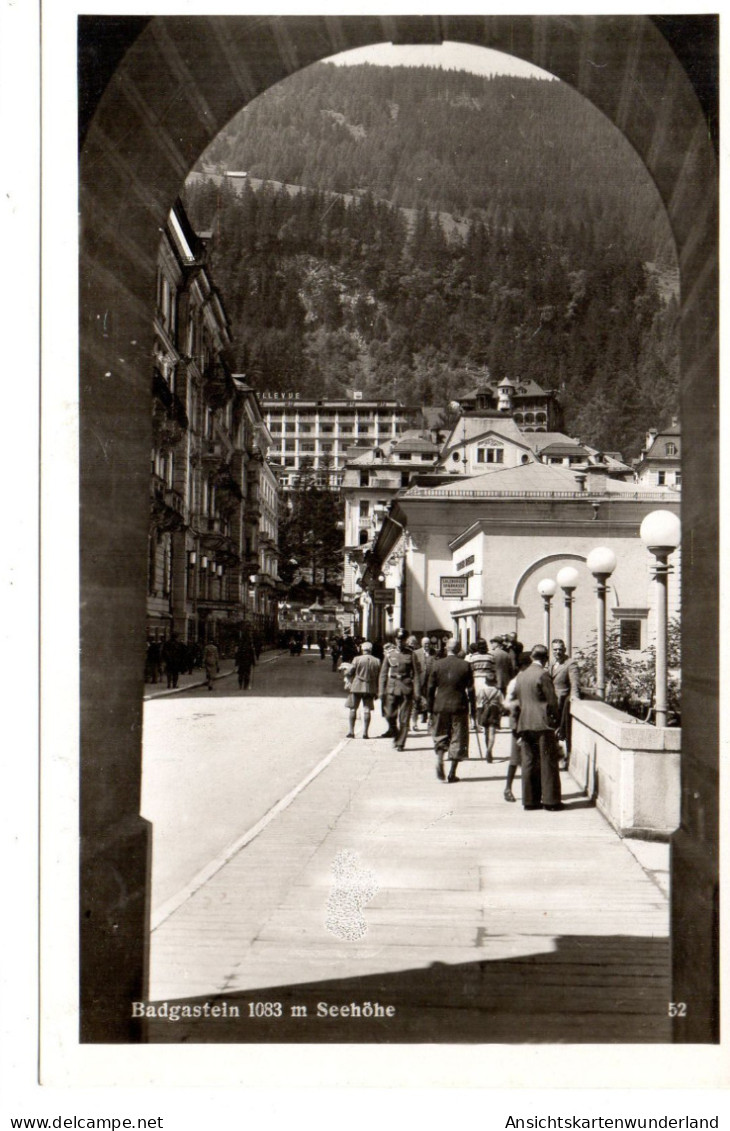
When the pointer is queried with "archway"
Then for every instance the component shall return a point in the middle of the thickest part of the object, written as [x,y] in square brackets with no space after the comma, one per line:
[162,89]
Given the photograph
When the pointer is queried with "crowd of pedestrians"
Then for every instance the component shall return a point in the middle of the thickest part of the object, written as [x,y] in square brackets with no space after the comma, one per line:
[170,658]
[432,683]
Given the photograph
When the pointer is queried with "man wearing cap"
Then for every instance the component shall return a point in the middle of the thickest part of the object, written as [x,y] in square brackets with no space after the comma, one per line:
[396,687]
[538,705]
[364,674]
[450,699]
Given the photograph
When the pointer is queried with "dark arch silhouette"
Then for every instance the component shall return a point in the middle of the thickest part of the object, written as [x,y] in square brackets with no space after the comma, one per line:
[154,92]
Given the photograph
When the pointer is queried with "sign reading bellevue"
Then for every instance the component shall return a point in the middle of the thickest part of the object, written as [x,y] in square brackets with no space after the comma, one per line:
[454,586]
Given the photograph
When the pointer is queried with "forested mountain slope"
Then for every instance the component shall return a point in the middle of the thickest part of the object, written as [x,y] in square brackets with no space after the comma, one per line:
[452,222]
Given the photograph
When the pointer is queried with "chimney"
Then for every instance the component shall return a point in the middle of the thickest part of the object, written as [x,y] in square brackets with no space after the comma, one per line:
[596,475]
[650,438]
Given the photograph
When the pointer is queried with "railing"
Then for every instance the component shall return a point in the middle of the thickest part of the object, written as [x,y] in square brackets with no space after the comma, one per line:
[174,501]
[439,492]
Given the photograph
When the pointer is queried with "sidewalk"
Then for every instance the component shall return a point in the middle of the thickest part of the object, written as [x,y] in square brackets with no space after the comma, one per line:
[188,680]
[473,919]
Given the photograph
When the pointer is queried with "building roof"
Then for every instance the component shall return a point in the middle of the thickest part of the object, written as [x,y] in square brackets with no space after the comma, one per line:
[564,449]
[410,441]
[531,389]
[529,478]
[471,427]
[557,443]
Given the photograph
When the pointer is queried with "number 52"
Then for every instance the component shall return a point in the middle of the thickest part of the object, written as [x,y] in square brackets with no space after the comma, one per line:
[677,1009]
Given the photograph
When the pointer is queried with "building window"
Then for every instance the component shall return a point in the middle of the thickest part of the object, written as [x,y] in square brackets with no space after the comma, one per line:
[456,457]
[490,455]
[678,478]
[661,478]
[630,635]
[364,479]
[405,455]
[364,508]
[363,537]
[290,427]
[275,427]
[670,449]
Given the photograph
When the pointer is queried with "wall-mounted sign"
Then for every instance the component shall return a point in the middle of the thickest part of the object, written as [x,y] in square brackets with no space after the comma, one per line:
[454,586]
[383,596]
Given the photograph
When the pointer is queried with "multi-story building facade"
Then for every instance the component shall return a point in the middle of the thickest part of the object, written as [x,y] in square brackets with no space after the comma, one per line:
[372,478]
[209,443]
[322,431]
[534,409]
[466,555]
[660,461]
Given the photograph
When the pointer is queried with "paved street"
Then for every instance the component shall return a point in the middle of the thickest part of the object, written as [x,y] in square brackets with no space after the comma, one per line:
[214,762]
[473,919]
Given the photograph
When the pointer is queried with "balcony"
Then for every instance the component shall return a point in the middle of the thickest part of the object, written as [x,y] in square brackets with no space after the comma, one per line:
[174,501]
[208,523]
[167,507]
[213,453]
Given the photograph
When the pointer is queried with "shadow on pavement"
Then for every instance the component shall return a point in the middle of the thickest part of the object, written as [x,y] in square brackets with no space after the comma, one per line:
[589,989]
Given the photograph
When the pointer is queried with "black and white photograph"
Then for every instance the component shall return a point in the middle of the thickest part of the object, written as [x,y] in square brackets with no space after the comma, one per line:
[397,510]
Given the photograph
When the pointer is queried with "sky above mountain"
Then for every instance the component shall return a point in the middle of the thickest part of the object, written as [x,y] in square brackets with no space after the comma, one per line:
[449,56]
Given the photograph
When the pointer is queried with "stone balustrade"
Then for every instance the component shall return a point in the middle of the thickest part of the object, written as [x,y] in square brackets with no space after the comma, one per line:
[631,768]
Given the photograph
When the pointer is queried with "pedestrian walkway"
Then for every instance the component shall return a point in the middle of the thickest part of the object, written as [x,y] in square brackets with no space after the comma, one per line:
[470,918]
[196,678]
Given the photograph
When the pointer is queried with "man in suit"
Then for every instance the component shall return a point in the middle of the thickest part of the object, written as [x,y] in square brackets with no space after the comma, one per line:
[364,675]
[423,661]
[395,688]
[563,671]
[450,700]
[245,659]
[504,667]
[514,647]
[537,705]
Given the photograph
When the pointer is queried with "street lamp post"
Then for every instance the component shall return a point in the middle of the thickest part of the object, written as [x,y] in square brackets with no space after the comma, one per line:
[547,589]
[601,562]
[568,580]
[661,532]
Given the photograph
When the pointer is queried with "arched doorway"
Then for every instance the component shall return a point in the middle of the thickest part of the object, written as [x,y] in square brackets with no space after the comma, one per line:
[161,89]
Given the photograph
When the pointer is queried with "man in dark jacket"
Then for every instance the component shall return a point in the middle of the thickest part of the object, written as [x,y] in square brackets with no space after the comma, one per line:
[450,700]
[396,689]
[504,666]
[349,647]
[172,654]
[245,660]
[537,705]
